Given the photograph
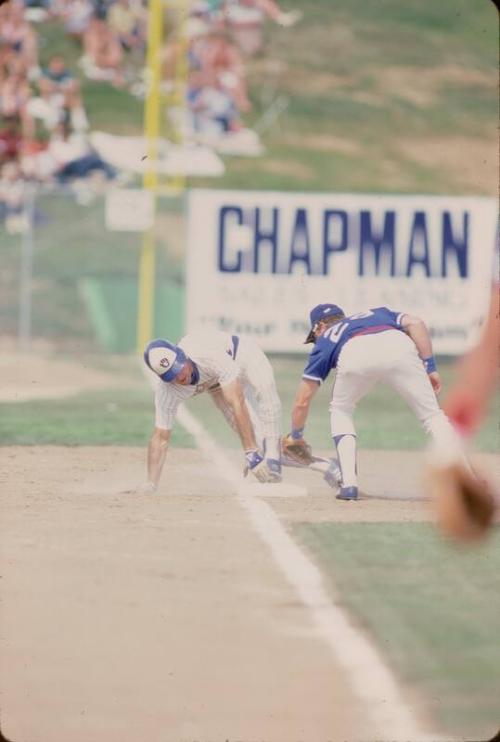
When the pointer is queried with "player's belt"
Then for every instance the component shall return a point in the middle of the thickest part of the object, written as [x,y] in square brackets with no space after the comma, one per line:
[236,341]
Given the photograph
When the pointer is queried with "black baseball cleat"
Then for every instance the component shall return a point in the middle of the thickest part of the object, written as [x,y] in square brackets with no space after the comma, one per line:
[347,493]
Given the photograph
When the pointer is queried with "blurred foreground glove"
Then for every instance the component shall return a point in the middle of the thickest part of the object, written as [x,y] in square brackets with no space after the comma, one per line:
[297,449]
[256,464]
[465,504]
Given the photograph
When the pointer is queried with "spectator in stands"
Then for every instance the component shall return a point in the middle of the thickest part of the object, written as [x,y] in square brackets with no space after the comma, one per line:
[60,92]
[11,139]
[103,53]
[76,15]
[245,19]
[15,93]
[66,159]
[217,92]
[12,197]
[36,11]
[245,22]
[128,23]
[101,8]
[17,35]
[213,109]
[271,9]
[196,31]
[57,78]
[73,157]
[44,4]
[222,67]
[206,8]
[245,11]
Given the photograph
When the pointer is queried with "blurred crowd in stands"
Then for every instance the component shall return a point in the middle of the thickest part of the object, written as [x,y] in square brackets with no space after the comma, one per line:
[44,127]
[220,36]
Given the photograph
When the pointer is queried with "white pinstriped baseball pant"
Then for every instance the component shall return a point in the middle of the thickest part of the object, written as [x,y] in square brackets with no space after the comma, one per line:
[261,396]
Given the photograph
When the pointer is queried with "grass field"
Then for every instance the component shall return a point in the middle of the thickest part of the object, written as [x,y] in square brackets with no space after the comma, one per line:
[382,96]
[432,608]
[372,87]
[119,417]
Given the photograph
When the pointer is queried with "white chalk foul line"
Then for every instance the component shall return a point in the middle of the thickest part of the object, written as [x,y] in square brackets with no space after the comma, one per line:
[369,676]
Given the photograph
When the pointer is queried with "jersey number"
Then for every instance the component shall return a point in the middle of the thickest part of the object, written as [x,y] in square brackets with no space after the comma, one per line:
[335,333]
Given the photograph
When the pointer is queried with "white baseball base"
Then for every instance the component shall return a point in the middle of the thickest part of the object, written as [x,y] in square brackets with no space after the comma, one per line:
[275,489]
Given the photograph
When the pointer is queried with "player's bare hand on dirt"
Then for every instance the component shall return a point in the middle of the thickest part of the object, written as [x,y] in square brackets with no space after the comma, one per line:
[435,380]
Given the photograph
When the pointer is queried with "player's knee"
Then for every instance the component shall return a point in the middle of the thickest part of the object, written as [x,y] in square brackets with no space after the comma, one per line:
[272,413]
[270,403]
[276,405]
[341,407]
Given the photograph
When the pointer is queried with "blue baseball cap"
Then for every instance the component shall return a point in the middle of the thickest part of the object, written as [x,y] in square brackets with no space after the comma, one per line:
[320,312]
[164,358]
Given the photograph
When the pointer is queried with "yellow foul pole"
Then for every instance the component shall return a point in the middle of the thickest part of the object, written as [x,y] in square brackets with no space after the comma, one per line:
[145,314]
[155,108]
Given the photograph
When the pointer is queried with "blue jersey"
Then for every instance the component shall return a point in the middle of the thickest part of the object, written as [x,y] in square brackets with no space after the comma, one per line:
[326,351]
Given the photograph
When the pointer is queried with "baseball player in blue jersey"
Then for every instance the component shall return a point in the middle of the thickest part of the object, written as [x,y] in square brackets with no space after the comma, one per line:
[240,380]
[376,345]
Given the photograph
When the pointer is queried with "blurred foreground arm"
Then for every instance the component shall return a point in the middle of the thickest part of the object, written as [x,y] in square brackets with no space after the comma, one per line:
[465,500]
[467,400]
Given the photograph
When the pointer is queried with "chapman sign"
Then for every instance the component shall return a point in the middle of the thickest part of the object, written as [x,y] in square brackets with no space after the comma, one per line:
[258,261]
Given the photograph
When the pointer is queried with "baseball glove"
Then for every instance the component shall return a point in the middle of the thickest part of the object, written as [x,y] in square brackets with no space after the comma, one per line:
[296,449]
[465,504]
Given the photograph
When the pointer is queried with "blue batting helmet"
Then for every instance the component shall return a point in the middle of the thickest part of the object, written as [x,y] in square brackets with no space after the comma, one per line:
[164,358]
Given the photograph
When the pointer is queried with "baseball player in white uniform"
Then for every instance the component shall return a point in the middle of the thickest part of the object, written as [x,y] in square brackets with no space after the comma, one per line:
[365,348]
[240,379]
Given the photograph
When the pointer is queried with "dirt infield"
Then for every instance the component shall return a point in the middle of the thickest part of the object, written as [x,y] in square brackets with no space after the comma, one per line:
[165,618]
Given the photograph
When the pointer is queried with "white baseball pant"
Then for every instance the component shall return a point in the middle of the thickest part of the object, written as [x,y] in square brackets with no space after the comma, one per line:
[388,357]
